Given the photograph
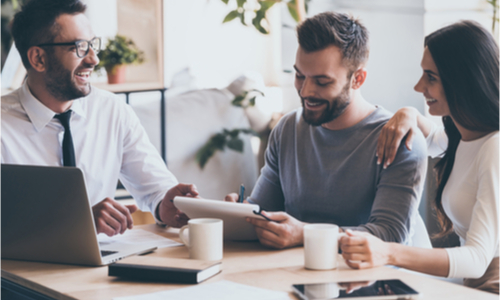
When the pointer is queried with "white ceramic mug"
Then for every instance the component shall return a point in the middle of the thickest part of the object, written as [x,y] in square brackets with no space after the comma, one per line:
[205,238]
[321,246]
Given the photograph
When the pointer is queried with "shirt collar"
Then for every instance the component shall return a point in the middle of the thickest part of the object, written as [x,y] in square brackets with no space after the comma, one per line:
[39,114]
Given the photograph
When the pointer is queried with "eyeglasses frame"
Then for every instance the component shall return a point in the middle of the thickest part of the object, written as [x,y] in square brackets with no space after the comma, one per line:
[75,43]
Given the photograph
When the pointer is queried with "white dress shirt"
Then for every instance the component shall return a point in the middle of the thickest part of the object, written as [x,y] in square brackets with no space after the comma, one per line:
[109,141]
[470,200]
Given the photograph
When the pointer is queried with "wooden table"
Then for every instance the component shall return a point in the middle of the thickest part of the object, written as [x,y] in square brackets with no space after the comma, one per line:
[244,262]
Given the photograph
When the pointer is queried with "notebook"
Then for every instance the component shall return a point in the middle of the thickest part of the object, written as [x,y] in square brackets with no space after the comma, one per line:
[47,217]
[164,269]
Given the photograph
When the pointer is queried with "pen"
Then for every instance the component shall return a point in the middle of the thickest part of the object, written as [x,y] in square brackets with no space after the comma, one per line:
[242,193]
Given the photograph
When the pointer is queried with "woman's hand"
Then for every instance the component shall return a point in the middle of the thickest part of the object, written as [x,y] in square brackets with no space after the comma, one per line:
[403,123]
[362,250]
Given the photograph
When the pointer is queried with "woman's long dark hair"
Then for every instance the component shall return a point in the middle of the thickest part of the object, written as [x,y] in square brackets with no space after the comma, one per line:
[466,57]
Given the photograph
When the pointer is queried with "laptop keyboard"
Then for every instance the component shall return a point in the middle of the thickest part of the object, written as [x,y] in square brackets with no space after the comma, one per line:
[106,253]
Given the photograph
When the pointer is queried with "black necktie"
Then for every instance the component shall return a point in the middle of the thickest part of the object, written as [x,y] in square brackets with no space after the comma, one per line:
[68,150]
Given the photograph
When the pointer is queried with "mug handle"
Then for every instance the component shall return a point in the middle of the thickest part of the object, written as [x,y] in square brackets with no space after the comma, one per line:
[181,235]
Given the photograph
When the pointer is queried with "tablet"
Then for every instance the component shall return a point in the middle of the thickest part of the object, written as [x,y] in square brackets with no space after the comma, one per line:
[234,215]
[356,290]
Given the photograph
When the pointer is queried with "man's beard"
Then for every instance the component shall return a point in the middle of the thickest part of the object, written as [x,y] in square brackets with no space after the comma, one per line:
[58,81]
[333,109]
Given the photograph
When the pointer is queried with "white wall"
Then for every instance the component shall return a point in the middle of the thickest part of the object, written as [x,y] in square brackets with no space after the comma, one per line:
[102,16]
[217,53]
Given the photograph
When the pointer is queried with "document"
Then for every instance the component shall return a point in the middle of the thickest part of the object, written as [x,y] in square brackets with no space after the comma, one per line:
[234,215]
[221,290]
[138,237]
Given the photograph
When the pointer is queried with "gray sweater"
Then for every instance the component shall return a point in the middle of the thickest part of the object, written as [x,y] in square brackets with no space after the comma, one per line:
[331,176]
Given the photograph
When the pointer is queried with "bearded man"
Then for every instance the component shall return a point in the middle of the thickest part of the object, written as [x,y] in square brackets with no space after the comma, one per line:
[320,161]
[58,119]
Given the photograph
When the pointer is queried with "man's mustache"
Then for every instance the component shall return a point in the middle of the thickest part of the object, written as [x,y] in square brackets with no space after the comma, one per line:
[314,100]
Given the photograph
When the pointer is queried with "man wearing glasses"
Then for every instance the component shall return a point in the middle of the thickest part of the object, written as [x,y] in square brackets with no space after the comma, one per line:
[58,119]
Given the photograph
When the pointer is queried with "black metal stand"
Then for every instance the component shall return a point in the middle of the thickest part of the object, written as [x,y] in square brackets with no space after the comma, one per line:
[163,110]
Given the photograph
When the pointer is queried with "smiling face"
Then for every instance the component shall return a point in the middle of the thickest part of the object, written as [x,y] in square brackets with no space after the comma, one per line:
[431,86]
[67,75]
[322,83]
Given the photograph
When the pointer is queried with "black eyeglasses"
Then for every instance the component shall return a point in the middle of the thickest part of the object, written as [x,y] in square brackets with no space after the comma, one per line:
[82,46]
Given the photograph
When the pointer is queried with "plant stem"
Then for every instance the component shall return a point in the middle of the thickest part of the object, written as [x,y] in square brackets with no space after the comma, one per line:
[301,10]
[495,8]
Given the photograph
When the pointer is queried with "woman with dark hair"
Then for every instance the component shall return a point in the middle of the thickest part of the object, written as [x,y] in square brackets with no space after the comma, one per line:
[460,83]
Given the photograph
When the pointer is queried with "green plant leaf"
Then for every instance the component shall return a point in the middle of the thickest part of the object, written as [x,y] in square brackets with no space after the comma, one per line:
[225,1]
[231,16]
[238,100]
[251,102]
[235,144]
[242,19]
[265,5]
[306,4]
[256,23]
[261,15]
[234,133]
[204,154]
[241,2]
[218,141]
[292,9]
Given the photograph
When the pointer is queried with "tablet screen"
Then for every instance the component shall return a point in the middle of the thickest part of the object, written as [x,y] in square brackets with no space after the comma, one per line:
[383,289]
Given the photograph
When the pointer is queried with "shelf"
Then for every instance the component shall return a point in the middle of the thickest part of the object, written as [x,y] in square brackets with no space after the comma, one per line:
[129,86]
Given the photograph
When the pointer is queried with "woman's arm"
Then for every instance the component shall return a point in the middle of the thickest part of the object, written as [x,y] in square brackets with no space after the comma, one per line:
[403,124]
[362,250]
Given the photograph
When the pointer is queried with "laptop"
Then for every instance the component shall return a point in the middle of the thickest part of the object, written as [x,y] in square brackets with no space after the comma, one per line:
[47,217]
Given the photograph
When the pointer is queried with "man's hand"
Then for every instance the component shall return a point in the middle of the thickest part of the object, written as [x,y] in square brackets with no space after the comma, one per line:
[362,250]
[169,214]
[285,231]
[112,217]
[233,197]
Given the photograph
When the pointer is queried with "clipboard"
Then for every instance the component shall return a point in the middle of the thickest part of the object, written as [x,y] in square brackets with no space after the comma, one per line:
[236,228]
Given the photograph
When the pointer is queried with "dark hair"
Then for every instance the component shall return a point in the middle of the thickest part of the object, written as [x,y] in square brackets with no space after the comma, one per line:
[36,23]
[466,56]
[341,30]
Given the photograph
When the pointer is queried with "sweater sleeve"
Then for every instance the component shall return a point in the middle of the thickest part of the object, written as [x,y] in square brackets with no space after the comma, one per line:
[437,141]
[481,242]
[267,191]
[398,193]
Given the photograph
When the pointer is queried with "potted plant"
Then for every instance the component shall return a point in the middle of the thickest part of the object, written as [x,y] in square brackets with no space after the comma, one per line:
[229,138]
[119,52]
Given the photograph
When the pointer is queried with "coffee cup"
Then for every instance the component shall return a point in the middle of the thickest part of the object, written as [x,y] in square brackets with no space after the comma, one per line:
[205,238]
[321,246]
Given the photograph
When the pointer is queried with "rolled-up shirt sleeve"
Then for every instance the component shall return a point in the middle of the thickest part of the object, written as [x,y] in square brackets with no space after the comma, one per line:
[143,171]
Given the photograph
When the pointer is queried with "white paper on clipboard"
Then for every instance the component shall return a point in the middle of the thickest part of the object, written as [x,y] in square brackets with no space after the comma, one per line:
[236,228]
